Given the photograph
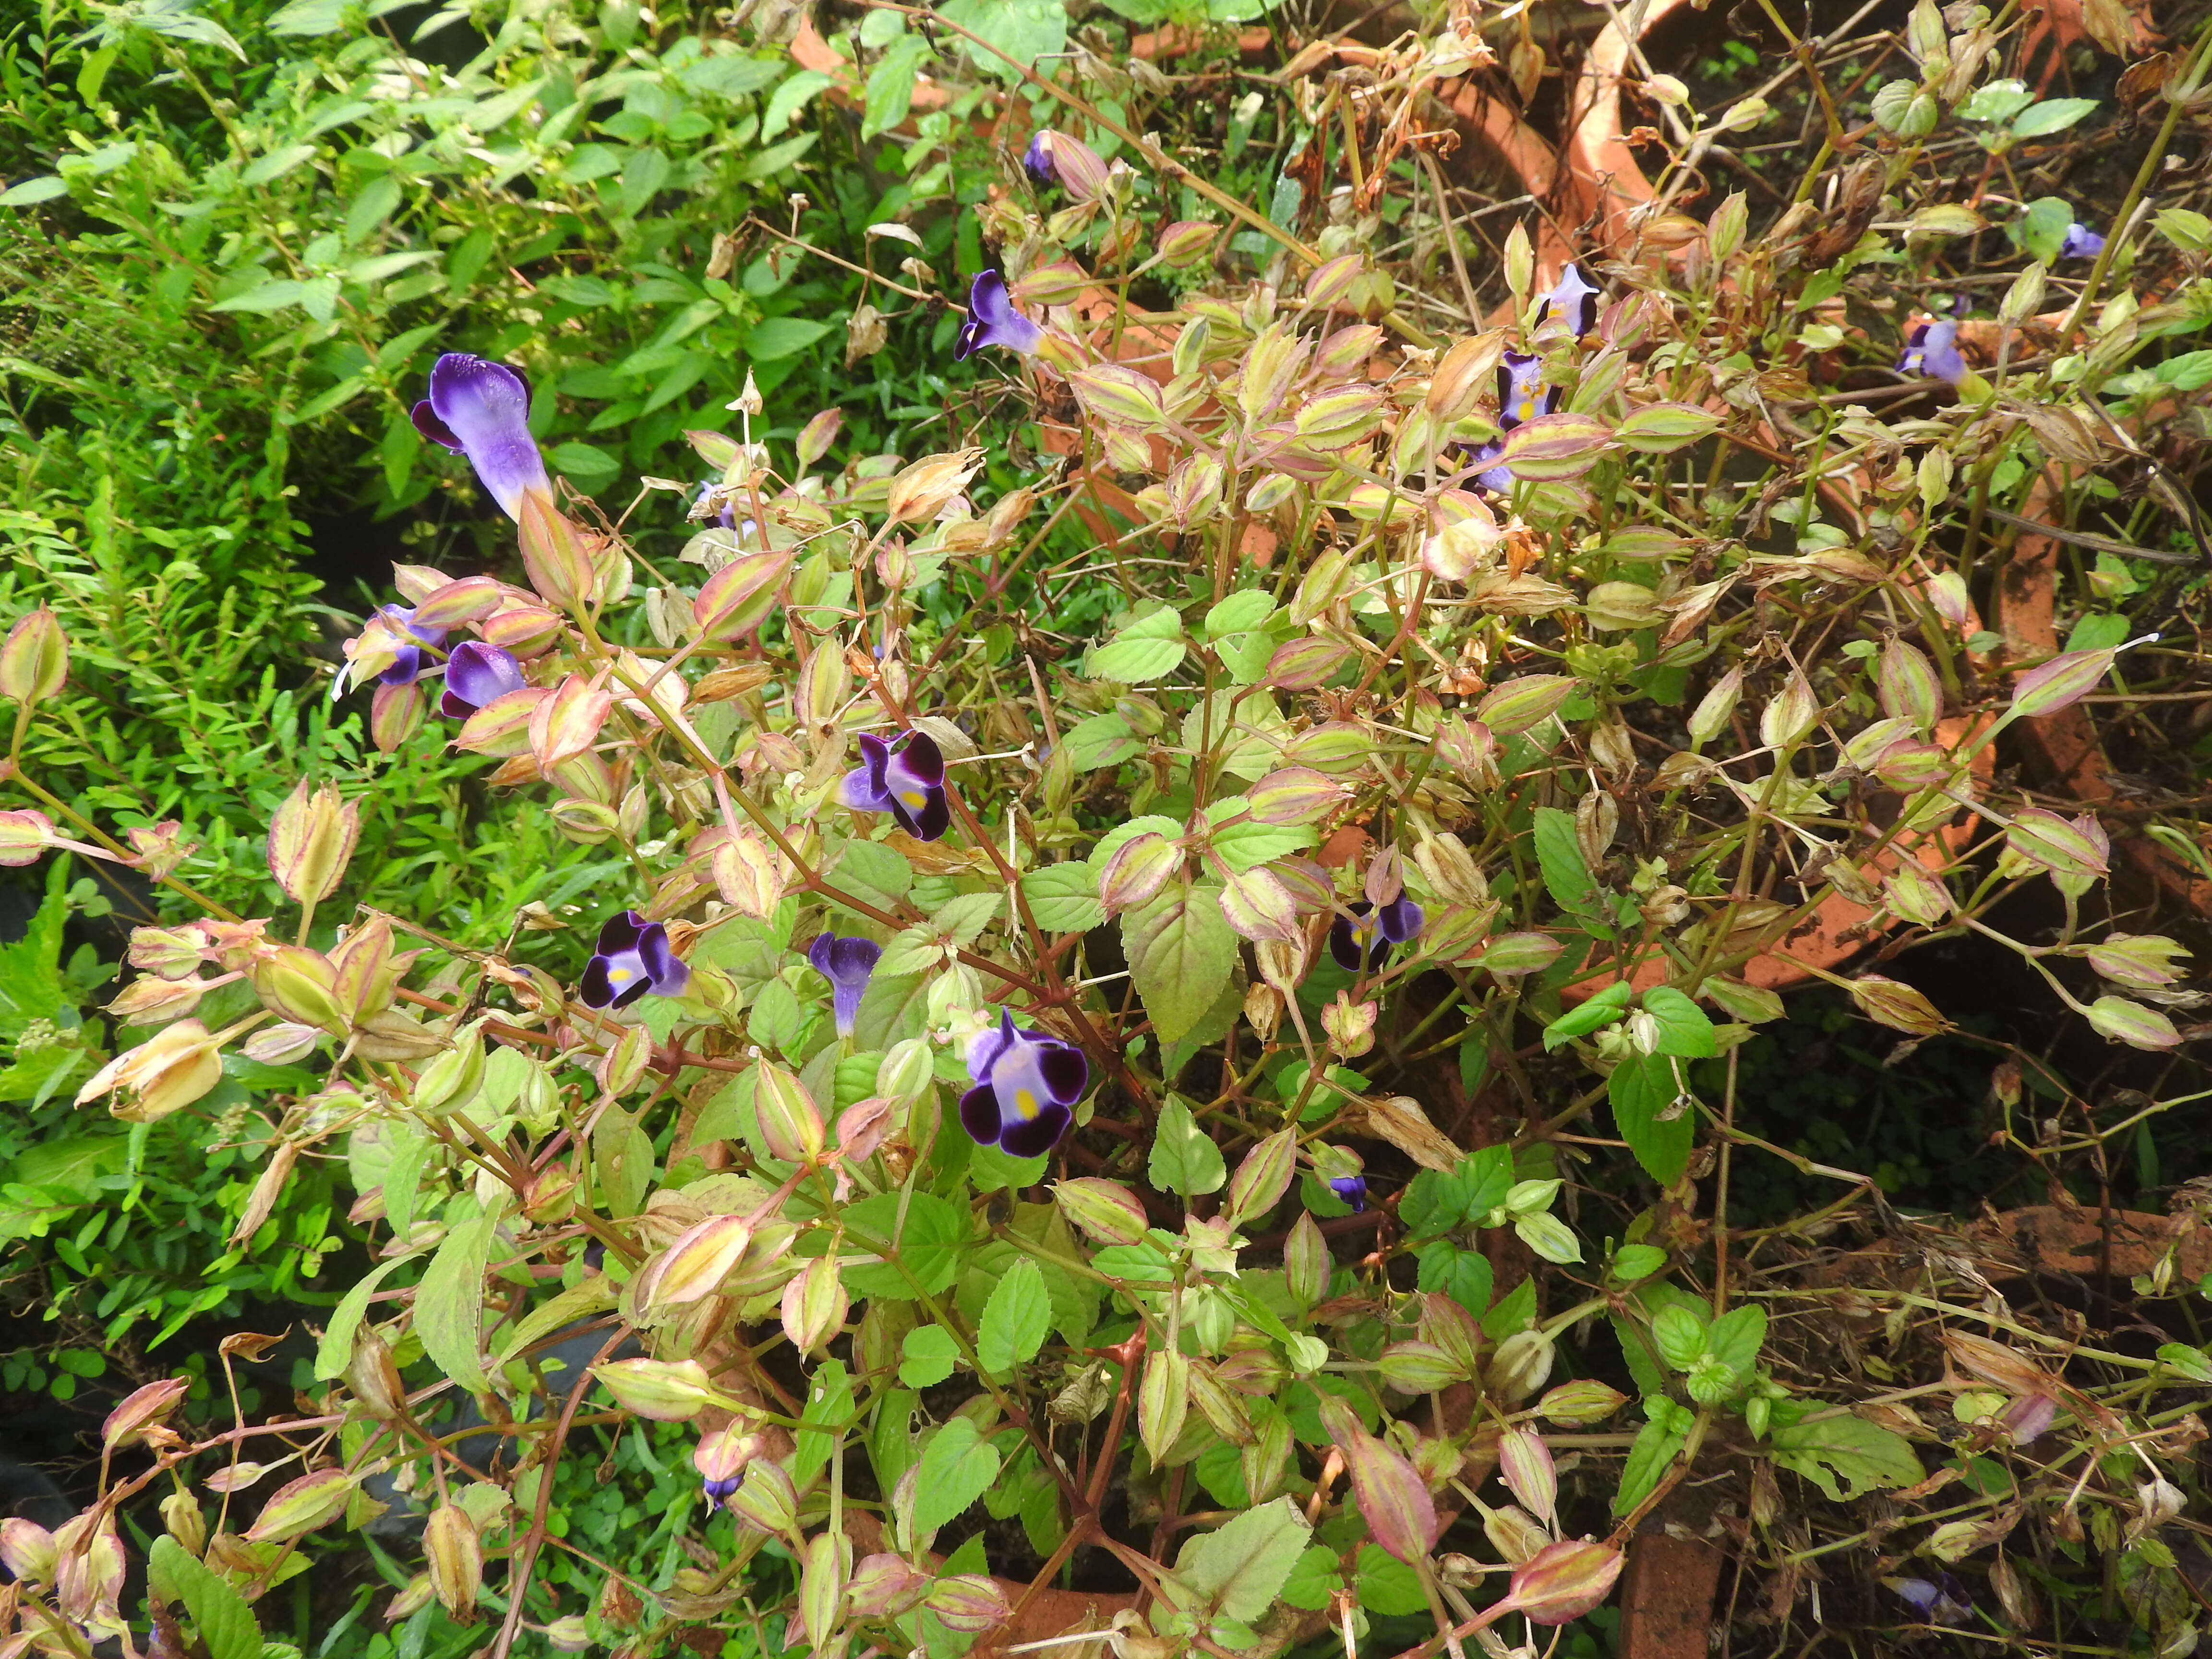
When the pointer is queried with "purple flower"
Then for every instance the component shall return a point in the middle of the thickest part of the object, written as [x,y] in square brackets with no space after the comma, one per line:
[1037,159]
[905,778]
[2080,243]
[1363,938]
[1574,300]
[720,1457]
[1025,1085]
[1521,393]
[407,663]
[1352,1189]
[1932,349]
[633,958]
[475,674]
[483,409]
[1941,1600]
[993,321]
[1494,475]
[846,963]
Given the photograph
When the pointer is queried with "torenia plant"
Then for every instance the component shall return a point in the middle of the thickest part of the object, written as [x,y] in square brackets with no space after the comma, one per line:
[1059,1129]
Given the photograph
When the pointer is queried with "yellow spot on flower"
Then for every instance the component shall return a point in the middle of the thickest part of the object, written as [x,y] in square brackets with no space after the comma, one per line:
[1026,1103]
[914,798]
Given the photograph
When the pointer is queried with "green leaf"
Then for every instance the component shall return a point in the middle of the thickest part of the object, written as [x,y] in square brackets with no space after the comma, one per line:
[1648,1458]
[275,165]
[73,1165]
[1181,952]
[1385,1584]
[1595,1013]
[42,189]
[335,1352]
[829,1405]
[1240,1569]
[789,99]
[307,17]
[1736,1336]
[1846,1456]
[1025,31]
[2051,115]
[957,1466]
[891,83]
[1679,1332]
[1463,1275]
[2043,228]
[1184,1159]
[449,1302]
[1101,740]
[1134,660]
[766,163]
[1643,1092]
[774,338]
[928,1242]
[226,1624]
[1016,1319]
[1683,1029]
[1313,1580]
[1567,877]
[586,465]
[1238,614]
[1063,897]
[268,296]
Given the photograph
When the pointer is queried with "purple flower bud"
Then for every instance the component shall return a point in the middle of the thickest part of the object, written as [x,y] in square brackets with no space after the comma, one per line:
[1491,474]
[633,958]
[1941,1600]
[847,964]
[993,321]
[483,409]
[1352,1189]
[1932,349]
[475,674]
[1364,938]
[905,778]
[1574,300]
[1038,162]
[1026,1087]
[2080,243]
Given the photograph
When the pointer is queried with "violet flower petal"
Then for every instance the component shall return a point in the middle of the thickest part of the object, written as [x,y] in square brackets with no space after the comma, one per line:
[1352,1189]
[993,321]
[2080,243]
[847,964]
[1521,393]
[1575,299]
[485,406]
[476,673]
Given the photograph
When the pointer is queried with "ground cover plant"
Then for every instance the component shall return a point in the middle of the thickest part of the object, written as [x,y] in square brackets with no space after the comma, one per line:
[1337,969]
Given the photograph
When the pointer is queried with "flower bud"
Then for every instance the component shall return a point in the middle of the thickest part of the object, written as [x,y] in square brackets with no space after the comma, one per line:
[2133,1024]
[34,661]
[967,1601]
[2143,960]
[1524,1463]
[1106,1210]
[815,1305]
[1518,1367]
[1451,870]
[1306,1265]
[747,874]
[169,1071]
[1711,714]
[1060,284]
[396,713]
[554,555]
[1263,1177]
[1575,1405]
[1892,1003]
[1350,1025]
[453,1556]
[1525,702]
[1914,896]
[921,491]
[373,1376]
[667,1391]
[1907,686]
[28,1550]
[765,1500]
[310,840]
[1564,1581]
[1790,713]
[2024,298]
[1520,263]
[884,1586]
[569,1634]
[150,1000]
[141,1410]
[1463,376]
[525,631]
[1186,243]
[1137,870]
[697,1263]
[738,597]
[300,1506]
[791,1125]
[181,1518]
[465,600]
[451,1081]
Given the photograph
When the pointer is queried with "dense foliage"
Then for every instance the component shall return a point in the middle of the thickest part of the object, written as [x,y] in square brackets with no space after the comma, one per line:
[931,833]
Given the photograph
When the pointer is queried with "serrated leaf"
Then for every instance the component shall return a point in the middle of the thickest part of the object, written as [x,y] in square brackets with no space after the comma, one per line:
[1240,1569]
[1101,740]
[1016,1319]
[226,1624]
[1063,897]
[1735,1337]
[1184,1159]
[1135,661]
[1683,1029]
[449,1302]
[927,1356]
[1845,1455]
[1643,1091]
[1181,952]
[957,1467]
